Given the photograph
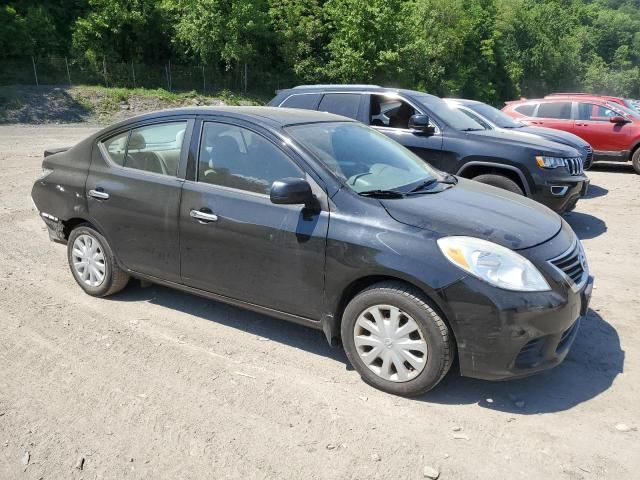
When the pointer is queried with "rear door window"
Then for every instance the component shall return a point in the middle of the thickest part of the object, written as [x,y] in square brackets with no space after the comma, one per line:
[345,104]
[156,148]
[307,101]
[560,110]
[117,147]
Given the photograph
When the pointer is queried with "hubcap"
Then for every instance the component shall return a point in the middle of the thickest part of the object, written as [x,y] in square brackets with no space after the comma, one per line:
[88,260]
[390,343]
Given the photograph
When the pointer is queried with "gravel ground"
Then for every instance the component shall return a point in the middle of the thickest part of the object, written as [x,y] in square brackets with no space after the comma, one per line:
[155,383]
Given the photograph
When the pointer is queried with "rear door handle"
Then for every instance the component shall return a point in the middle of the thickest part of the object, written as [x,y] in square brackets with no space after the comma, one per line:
[203,217]
[99,194]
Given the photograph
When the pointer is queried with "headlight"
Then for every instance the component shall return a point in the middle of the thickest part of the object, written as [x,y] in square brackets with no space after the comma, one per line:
[550,162]
[45,173]
[493,263]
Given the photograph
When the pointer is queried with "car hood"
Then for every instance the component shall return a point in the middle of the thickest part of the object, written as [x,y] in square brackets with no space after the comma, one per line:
[477,210]
[540,145]
[554,135]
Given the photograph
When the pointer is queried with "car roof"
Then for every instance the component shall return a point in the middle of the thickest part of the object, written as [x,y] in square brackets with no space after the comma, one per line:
[585,95]
[321,88]
[462,101]
[272,116]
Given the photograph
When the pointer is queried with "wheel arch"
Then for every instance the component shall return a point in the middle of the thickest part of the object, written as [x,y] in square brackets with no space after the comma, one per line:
[475,168]
[332,323]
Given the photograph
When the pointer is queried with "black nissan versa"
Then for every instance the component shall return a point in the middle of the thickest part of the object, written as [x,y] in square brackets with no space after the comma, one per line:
[320,220]
[447,139]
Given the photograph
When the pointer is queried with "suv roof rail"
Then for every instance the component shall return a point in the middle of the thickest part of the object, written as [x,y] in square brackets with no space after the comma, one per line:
[337,85]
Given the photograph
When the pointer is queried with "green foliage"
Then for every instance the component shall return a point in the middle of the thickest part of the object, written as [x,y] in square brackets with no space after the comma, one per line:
[487,49]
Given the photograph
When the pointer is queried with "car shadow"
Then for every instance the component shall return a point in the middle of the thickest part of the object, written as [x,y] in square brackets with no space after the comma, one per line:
[586,226]
[595,191]
[591,366]
[617,167]
[274,329]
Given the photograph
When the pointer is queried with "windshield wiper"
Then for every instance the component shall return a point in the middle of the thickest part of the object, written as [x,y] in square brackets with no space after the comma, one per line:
[449,179]
[382,193]
[472,129]
[423,185]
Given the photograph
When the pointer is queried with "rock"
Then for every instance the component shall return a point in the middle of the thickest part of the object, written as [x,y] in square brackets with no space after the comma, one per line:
[331,446]
[457,429]
[460,436]
[80,463]
[375,457]
[489,400]
[430,472]
[520,403]
[621,427]
[25,458]
[446,455]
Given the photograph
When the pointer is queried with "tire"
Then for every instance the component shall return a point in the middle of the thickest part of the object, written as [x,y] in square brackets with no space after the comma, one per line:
[635,161]
[499,181]
[113,279]
[431,330]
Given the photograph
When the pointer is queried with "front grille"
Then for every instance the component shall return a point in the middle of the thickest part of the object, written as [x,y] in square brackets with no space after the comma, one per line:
[574,164]
[572,263]
[588,159]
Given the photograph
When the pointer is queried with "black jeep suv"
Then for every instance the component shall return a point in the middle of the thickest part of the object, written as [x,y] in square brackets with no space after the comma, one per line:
[546,171]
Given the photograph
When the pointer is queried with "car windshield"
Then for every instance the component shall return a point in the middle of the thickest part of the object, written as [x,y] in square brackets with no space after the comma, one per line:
[448,113]
[362,158]
[495,116]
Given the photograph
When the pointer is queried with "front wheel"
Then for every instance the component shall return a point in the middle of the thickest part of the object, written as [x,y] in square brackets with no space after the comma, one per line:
[93,264]
[635,161]
[395,339]
[499,181]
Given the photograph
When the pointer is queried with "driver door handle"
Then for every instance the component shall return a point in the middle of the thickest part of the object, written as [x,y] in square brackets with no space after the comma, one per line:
[99,194]
[203,217]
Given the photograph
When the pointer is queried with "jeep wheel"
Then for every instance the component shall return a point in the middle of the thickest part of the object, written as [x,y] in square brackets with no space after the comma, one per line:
[499,181]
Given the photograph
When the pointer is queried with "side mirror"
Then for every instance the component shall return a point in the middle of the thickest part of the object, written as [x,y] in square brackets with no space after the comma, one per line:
[420,123]
[292,191]
[618,120]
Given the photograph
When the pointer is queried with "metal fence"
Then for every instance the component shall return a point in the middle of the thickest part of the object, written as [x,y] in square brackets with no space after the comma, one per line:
[170,76]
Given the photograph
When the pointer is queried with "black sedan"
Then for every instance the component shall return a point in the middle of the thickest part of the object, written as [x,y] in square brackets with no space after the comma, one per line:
[320,220]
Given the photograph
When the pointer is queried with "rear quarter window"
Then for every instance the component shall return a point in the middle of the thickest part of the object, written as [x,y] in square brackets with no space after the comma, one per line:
[307,101]
[526,109]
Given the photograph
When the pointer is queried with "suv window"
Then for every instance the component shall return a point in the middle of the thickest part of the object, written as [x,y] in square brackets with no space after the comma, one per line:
[560,110]
[346,104]
[526,109]
[390,112]
[236,157]
[306,100]
[590,111]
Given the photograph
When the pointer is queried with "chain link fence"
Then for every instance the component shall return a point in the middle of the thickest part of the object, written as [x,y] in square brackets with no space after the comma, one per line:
[169,76]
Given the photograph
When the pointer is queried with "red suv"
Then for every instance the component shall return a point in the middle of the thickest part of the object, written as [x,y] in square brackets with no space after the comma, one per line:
[612,129]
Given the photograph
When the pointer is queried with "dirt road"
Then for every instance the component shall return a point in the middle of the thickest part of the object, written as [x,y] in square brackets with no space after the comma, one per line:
[154,383]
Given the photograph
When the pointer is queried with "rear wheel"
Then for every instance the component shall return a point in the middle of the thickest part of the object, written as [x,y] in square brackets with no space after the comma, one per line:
[93,264]
[635,161]
[395,339]
[499,181]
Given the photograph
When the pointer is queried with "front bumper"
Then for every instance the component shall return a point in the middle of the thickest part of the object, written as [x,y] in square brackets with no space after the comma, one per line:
[502,334]
[561,194]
